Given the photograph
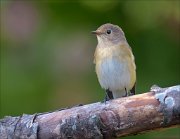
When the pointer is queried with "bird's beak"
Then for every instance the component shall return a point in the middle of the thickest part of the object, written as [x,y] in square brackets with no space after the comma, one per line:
[97,32]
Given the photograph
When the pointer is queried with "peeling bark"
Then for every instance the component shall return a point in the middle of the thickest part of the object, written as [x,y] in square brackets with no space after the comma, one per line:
[159,108]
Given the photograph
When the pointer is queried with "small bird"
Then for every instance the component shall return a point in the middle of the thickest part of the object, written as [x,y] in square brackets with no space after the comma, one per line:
[114,60]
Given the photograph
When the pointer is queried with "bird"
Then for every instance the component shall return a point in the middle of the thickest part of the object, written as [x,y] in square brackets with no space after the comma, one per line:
[114,62]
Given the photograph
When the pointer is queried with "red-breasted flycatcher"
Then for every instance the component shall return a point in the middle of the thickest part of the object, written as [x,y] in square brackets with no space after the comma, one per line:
[115,66]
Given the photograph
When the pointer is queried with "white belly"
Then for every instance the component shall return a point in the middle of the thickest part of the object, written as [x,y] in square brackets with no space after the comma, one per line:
[113,74]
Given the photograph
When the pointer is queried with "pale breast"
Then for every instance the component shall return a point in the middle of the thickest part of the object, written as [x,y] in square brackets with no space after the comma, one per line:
[113,74]
[115,69]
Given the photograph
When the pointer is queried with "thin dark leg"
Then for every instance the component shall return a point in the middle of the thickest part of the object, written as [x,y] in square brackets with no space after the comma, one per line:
[108,96]
[126,93]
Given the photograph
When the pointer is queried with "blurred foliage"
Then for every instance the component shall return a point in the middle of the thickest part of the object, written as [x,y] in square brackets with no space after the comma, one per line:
[47,51]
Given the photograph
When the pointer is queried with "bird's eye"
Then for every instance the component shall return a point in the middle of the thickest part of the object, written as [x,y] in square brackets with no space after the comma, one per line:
[108,31]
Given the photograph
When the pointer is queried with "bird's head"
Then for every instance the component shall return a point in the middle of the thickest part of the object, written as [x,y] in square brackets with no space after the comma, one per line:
[109,34]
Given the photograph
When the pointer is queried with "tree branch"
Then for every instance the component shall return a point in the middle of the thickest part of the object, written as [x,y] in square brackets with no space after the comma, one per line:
[159,108]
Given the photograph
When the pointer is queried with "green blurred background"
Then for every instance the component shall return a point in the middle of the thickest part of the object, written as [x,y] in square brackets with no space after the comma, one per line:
[47,51]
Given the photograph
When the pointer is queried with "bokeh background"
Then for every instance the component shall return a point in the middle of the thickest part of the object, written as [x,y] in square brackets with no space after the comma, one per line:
[47,51]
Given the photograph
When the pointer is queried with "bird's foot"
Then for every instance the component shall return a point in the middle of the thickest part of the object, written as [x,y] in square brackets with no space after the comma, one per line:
[131,94]
[108,96]
[105,99]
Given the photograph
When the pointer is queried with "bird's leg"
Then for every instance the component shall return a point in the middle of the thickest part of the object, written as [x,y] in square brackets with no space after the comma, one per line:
[126,94]
[108,96]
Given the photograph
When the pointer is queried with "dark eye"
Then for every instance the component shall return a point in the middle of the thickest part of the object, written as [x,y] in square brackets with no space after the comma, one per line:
[108,31]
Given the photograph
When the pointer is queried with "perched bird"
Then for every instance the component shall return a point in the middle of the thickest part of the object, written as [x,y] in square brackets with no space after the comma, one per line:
[115,66]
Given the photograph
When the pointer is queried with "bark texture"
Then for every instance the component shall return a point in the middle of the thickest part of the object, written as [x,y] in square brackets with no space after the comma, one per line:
[159,108]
